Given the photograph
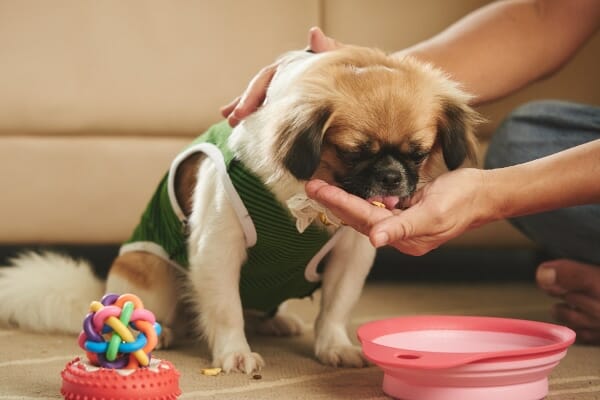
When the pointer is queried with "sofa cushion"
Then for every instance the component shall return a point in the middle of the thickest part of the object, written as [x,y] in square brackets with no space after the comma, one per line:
[128,67]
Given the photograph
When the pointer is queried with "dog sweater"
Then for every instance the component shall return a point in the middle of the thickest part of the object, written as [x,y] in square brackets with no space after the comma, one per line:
[281,262]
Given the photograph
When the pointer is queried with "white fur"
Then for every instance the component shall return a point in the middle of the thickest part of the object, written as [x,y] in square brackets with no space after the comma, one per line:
[253,139]
[47,292]
[343,279]
[215,265]
[51,292]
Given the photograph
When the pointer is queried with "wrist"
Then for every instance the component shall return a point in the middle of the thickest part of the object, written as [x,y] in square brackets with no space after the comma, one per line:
[490,202]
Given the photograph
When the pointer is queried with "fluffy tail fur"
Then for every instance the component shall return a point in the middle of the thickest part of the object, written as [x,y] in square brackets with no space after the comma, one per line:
[47,292]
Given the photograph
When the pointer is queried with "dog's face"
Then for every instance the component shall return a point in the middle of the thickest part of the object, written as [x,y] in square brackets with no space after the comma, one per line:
[373,126]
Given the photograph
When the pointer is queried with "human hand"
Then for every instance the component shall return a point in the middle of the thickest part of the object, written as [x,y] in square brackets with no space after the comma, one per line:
[439,211]
[255,93]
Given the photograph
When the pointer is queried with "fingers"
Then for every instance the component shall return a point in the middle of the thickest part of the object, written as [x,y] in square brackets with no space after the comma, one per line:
[383,226]
[318,42]
[578,285]
[558,277]
[588,336]
[255,93]
[400,231]
[353,210]
[584,321]
[574,317]
[253,97]
[389,231]
[228,109]
[586,303]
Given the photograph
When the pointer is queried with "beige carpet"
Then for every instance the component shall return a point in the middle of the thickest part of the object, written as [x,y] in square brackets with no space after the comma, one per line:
[30,364]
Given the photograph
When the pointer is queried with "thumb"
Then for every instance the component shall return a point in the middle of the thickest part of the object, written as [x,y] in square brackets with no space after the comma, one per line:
[253,96]
[399,227]
[318,42]
[566,275]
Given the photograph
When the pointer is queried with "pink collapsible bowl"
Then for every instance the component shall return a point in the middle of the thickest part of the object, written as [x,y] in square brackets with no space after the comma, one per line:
[464,358]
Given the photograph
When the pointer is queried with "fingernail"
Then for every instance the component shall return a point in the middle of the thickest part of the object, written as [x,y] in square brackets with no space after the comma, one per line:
[546,276]
[380,239]
[233,121]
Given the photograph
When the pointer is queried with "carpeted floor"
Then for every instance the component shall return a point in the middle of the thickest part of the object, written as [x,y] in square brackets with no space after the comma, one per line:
[30,364]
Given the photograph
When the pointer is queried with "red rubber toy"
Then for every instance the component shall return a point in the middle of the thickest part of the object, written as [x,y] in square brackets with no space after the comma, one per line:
[82,380]
[118,337]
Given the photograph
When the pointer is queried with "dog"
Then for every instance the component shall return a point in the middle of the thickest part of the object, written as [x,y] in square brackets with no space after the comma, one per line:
[376,126]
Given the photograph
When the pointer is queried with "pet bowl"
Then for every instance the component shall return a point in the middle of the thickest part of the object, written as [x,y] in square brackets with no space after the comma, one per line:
[466,358]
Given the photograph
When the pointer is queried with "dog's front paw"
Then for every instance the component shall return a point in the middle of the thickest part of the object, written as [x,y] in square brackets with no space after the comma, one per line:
[247,362]
[342,356]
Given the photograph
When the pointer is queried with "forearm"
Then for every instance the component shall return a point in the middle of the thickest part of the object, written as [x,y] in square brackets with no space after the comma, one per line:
[506,45]
[564,179]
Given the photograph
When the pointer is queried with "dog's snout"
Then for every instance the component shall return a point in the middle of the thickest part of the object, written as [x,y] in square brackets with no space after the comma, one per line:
[390,179]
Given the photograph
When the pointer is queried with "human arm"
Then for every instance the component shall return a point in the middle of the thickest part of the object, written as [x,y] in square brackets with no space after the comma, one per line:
[506,45]
[255,93]
[514,43]
[564,179]
[467,198]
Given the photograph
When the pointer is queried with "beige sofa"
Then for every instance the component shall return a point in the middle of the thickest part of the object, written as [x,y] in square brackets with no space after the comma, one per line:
[96,97]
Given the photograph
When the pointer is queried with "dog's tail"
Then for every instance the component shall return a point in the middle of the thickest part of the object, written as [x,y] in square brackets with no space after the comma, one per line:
[47,292]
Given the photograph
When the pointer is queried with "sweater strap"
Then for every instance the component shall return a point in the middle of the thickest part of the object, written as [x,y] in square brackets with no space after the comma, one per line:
[216,157]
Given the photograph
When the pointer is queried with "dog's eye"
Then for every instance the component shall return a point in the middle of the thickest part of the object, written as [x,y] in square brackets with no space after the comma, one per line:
[349,155]
[418,156]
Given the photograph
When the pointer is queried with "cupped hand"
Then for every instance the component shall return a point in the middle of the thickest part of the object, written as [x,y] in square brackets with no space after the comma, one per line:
[441,210]
[353,210]
[255,93]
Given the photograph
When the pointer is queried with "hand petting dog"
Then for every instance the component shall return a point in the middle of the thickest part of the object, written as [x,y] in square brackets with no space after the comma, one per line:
[218,247]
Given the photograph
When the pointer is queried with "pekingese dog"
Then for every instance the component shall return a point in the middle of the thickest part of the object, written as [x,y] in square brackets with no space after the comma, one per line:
[230,233]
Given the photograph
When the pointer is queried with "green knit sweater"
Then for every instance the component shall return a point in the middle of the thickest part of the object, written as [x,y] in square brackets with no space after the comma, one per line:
[274,270]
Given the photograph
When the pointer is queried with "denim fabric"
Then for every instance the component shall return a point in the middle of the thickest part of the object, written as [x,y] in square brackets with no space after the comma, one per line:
[539,129]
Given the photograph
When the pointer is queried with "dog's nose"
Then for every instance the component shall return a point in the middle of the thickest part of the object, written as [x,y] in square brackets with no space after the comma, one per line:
[390,179]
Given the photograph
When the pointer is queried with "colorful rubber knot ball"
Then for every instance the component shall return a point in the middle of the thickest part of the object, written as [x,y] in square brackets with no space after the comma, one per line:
[119,332]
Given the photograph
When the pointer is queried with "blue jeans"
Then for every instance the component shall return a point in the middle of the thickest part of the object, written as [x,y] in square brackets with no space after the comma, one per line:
[536,130]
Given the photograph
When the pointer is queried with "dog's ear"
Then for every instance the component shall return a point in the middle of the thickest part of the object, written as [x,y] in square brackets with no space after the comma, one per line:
[299,140]
[455,133]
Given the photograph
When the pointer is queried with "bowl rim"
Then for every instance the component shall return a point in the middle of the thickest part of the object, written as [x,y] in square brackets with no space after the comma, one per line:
[560,337]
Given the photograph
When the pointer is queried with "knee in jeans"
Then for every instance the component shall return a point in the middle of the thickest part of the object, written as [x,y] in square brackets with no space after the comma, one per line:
[505,144]
[540,128]
[538,109]
[519,122]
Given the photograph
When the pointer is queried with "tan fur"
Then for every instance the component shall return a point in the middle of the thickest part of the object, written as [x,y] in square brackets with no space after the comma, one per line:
[318,108]
[363,100]
[378,101]
[143,270]
[317,104]
[185,181]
